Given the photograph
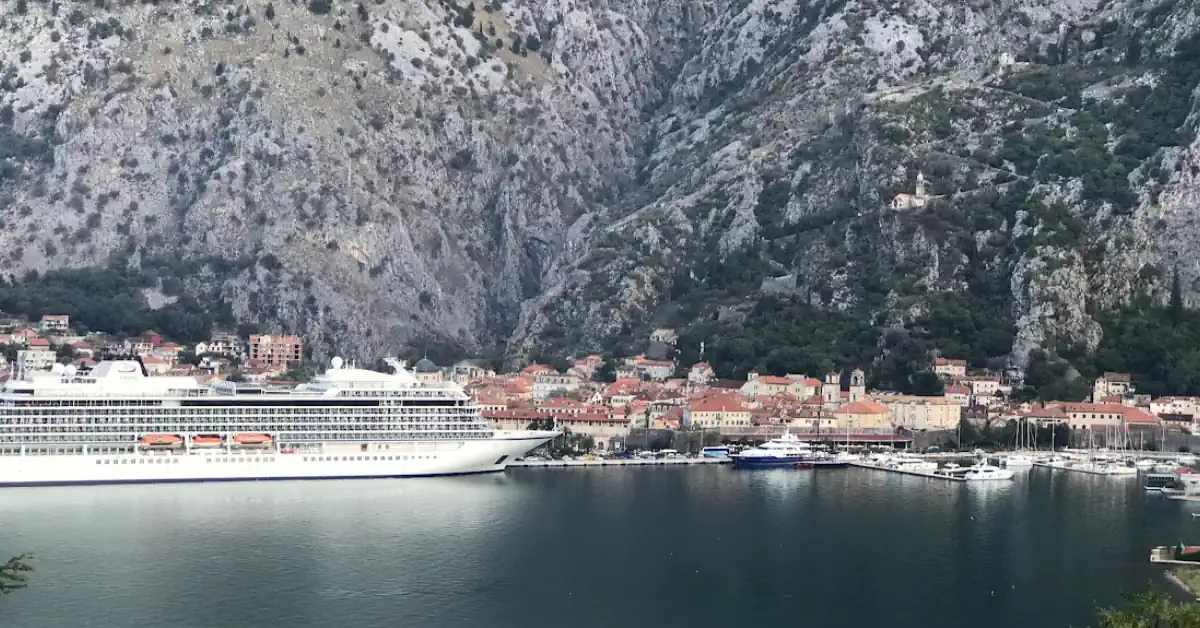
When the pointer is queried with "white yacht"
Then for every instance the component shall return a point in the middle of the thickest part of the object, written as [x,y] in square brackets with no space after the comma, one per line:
[785,451]
[118,424]
[984,472]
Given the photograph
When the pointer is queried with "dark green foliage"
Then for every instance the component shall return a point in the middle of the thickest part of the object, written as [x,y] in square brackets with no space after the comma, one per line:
[107,299]
[21,150]
[320,7]
[1151,609]
[789,336]
[1141,120]
[772,201]
[1159,347]
[608,370]
[532,43]
[1051,378]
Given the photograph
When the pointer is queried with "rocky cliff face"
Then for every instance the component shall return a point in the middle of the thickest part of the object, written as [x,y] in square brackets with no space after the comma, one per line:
[379,174]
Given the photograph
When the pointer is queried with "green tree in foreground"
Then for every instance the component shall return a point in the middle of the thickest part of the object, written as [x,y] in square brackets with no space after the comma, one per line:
[1151,609]
[14,573]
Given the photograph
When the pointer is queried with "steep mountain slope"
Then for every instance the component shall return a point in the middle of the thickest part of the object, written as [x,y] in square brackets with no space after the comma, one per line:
[1057,138]
[381,171]
[570,173]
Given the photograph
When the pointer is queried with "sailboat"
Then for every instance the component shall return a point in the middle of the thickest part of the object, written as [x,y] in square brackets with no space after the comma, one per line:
[1019,459]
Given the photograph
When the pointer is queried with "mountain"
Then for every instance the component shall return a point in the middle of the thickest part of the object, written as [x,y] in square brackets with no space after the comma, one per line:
[537,177]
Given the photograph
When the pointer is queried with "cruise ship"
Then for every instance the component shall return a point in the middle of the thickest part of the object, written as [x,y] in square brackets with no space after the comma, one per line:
[117,424]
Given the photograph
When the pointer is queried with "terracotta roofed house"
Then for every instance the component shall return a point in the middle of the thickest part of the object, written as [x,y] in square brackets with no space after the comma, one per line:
[863,414]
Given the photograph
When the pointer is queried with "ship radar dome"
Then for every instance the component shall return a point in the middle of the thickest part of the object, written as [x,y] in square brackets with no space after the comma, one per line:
[70,370]
[425,365]
[57,369]
[336,363]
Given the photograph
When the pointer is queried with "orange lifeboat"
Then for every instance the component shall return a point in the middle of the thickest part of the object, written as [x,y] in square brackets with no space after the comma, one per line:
[252,440]
[161,440]
[206,440]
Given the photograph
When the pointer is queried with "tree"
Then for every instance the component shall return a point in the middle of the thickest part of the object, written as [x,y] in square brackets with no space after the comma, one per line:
[927,383]
[1176,299]
[1151,609]
[608,370]
[320,7]
[532,43]
[14,574]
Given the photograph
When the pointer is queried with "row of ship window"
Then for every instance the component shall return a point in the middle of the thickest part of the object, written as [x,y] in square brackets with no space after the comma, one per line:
[363,458]
[139,461]
[392,397]
[239,411]
[387,430]
[255,459]
[352,436]
[433,423]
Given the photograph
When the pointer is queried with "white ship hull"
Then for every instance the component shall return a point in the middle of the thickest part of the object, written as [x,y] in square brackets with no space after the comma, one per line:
[398,460]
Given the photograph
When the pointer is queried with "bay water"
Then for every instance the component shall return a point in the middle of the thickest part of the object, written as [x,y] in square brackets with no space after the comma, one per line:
[596,547]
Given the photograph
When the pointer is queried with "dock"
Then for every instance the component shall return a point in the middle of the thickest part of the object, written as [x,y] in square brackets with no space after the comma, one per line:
[939,476]
[1084,471]
[1169,555]
[631,462]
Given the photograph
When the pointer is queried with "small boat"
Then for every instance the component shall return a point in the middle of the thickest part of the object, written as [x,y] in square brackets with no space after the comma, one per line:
[1145,463]
[252,440]
[1186,459]
[158,441]
[805,465]
[1018,461]
[914,465]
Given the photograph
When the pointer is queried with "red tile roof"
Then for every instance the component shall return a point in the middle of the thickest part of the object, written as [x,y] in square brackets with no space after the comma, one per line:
[717,404]
[863,406]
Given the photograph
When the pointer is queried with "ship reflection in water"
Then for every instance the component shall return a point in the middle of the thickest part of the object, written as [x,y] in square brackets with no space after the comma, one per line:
[652,547]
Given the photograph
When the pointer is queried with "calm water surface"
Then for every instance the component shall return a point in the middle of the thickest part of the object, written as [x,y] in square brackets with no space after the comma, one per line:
[588,547]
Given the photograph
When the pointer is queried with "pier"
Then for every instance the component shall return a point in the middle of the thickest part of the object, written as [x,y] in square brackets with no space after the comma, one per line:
[1084,470]
[940,476]
[631,462]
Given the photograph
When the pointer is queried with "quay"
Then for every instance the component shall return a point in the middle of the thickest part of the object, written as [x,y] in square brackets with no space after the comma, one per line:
[1084,470]
[1170,555]
[940,476]
[631,462]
